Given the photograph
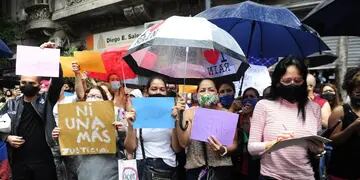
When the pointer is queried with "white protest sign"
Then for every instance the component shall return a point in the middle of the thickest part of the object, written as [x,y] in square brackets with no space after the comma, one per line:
[35,61]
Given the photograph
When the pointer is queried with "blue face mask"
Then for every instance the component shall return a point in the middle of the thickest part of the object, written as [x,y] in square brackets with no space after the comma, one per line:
[115,85]
[251,101]
[227,100]
[67,94]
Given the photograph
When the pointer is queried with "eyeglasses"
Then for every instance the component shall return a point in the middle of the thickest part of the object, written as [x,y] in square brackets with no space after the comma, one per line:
[289,81]
[94,96]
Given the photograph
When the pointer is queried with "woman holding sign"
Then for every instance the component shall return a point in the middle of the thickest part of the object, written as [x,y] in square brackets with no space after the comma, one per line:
[89,167]
[286,114]
[205,160]
[154,148]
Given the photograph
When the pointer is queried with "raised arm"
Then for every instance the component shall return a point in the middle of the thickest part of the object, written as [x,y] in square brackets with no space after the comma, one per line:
[55,87]
[79,82]
[184,135]
[130,139]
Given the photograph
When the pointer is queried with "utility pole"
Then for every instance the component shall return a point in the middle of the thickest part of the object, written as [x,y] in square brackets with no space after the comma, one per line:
[341,64]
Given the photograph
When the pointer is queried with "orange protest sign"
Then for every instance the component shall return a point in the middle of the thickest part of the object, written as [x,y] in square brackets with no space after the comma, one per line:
[90,61]
[187,89]
[86,128]
[66,66]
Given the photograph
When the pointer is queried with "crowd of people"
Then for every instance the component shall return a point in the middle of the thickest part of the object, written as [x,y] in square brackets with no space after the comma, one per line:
[289,108]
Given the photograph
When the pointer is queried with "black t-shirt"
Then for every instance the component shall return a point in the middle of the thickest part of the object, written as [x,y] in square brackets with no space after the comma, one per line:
[31,128]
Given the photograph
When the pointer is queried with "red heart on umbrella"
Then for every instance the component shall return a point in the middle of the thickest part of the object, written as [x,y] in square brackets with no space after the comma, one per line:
[212,55]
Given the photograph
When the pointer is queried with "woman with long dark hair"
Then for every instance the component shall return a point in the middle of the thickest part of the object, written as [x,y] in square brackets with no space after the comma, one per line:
[345,120]
[154,148]
[287,113]
[205,160]
[246,166]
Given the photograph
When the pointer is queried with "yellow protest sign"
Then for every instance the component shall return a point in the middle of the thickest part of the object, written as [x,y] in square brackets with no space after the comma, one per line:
[86,128]
[90,61]
[187,89]
[66,65]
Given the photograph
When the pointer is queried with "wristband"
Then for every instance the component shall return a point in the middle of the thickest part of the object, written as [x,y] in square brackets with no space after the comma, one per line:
[225,152]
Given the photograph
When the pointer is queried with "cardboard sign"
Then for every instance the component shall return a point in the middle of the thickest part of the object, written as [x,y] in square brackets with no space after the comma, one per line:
[209,122]
[35,61]
[90,61]
[86,128]
[187,89]
[66,65]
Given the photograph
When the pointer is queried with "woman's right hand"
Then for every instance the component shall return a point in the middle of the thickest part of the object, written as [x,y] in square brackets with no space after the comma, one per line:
[281,137]
[15,141]
[130,117]
[75,67]
[55,133]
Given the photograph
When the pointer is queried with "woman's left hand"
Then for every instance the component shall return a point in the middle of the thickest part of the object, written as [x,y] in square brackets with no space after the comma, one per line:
[215,145]
[316,147]
[180,105]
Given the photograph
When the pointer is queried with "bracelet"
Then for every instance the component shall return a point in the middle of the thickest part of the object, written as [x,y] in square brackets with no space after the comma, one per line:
[225,152]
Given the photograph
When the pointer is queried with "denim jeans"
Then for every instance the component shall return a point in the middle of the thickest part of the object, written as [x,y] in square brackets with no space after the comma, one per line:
[155,169]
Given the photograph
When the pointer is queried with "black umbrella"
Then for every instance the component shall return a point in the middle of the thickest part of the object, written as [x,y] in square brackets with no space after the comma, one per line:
[335,18]
[317,59]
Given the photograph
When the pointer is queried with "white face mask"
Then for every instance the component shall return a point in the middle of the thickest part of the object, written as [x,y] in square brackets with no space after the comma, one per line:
[115,85]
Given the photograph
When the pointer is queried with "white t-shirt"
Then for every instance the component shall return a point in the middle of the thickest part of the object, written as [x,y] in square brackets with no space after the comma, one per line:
[157,144]
[66,100]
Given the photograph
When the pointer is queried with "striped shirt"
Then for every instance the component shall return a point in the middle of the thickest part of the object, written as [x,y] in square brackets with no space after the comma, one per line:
[272,118]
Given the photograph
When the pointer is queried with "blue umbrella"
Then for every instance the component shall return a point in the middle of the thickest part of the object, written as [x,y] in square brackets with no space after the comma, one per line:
[265,31]
[4,50]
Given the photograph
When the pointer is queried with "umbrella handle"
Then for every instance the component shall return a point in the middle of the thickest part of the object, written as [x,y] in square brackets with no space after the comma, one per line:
[181,119]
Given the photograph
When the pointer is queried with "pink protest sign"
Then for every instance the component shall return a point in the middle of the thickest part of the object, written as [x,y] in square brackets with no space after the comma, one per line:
[209,122]
[34,61]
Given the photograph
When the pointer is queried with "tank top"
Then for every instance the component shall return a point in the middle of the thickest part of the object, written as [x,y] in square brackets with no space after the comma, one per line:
[195,156]
[345,157]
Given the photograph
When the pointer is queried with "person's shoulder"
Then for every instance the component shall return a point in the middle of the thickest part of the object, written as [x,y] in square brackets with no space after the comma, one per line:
[266,102]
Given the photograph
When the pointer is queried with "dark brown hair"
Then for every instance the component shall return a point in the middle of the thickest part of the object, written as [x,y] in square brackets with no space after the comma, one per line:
[103,93]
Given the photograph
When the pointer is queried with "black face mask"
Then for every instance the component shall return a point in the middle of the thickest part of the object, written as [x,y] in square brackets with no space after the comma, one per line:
[355,101]
[157,95]
[291,93]
[29,90]
[328,96]
[8,95]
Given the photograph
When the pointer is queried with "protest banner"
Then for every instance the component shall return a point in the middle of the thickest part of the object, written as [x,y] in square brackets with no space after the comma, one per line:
[209,122]
[86,128]
[66,65]
[153,112]
[36,61]
[90,61]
